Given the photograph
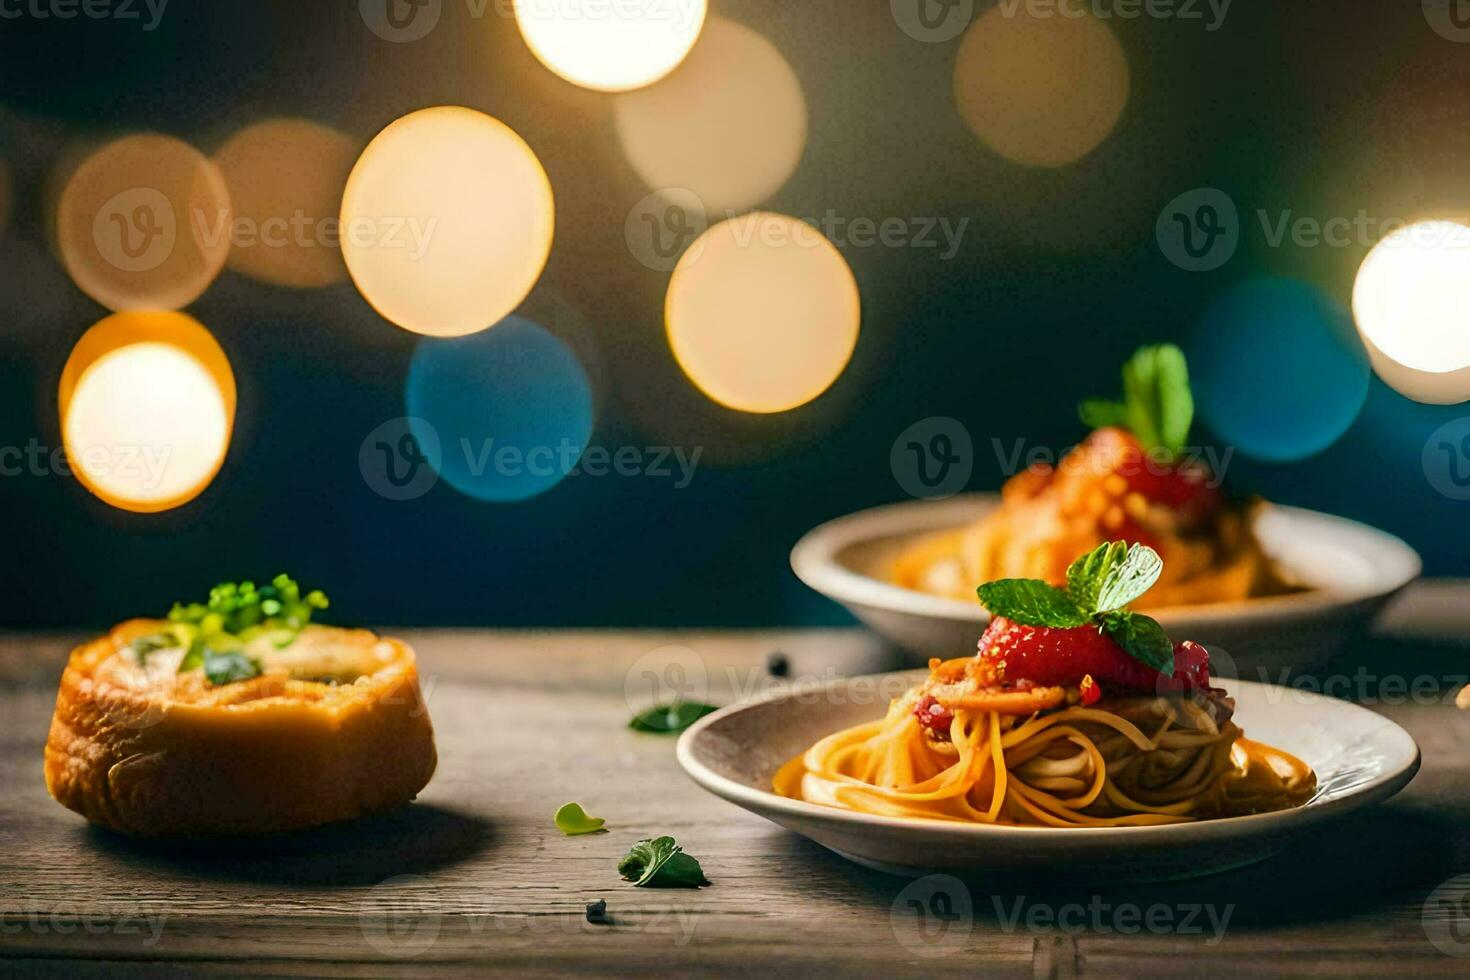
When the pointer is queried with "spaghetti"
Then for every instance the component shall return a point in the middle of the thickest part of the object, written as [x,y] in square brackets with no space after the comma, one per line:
[1075,713]
[1128,761]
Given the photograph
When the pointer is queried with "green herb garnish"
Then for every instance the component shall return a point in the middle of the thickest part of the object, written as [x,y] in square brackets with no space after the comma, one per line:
[665,719]
[572,820]
[1034,602]
[1157,405]
[1099,585]
[661,863]
[229,667]
[668,719]
[194,657]
[215,632]
[235,608]
[1142,637]
[144,646]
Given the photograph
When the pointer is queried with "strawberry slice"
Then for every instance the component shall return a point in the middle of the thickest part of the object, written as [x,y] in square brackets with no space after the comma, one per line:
[1063,657]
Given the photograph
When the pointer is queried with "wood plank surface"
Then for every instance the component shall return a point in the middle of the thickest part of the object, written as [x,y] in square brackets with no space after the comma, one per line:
[475,878]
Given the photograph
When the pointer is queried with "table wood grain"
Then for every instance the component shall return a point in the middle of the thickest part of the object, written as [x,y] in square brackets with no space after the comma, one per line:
[474,878]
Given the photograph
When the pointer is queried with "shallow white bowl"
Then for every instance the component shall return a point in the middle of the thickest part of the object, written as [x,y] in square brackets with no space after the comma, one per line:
[1351,571]
[1360,758]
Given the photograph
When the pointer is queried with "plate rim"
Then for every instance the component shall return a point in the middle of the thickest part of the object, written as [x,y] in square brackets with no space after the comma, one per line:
[1382,787]
[813,560]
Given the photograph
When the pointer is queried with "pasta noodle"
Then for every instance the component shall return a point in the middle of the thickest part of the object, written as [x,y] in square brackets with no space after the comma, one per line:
[1132,760]
[1105,488]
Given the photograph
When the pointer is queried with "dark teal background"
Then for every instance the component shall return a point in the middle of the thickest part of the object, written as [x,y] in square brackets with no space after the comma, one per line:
[1322,108]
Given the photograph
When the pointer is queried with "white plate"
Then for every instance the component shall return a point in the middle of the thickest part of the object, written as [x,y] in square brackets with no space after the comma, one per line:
[1360,758]
[1351,570]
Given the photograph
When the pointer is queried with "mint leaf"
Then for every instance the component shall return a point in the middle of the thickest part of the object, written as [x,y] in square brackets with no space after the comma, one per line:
[1157,406]
[1087,575]
[1032,602]
[1156,392]
[1098,413]
[572,820]
[1127,579]
[1143,638]
[1176,399]
[228,668]
[644,859]
[1099,584]
[1139,398]
[664,719]
[680,871]
[661,863]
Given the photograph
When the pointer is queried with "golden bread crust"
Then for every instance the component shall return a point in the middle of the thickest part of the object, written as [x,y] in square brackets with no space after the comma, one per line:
[262,756]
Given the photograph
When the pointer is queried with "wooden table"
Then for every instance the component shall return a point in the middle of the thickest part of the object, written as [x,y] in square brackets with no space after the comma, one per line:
[475,878]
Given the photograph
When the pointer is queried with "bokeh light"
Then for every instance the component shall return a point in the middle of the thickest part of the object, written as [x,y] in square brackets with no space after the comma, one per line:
[147,405]
[611,47]
[566,318]
[1277,371]
[763,313]
[1411,302]
[511,408]
[1040,90]
[285,178]
[144,223]
[730,125]
[447,221]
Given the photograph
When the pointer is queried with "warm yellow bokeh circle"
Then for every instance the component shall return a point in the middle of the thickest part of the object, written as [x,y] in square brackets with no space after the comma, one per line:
[730,125]
[285,178]
[447,221]
[1040,90]
[763,313]
[611,47]
[1411,302]
[147,406]
[144,223]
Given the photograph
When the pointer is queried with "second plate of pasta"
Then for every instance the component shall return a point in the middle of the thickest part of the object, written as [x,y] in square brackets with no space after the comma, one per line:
[1348,571]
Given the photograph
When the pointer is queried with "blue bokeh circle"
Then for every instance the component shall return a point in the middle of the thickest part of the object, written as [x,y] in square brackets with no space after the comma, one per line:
[1278,371]
[511,406]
